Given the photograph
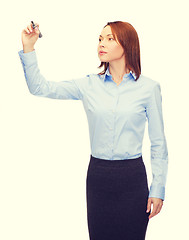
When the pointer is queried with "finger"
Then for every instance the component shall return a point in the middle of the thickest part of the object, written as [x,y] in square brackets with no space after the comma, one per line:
[26,30]
[29,29]
[148,205]
[159,208]
[33,30]
[36,29]
[154,212]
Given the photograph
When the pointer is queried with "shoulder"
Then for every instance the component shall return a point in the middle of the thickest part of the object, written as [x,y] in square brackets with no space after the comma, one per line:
[149,88]
[94,79]
[87,82]
[94,76]
[147,81]
[89,77]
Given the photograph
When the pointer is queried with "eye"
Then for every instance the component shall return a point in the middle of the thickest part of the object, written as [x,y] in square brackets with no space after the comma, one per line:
[108,38]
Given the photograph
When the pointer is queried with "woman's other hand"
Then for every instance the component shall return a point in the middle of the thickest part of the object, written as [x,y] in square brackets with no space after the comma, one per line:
[157,205]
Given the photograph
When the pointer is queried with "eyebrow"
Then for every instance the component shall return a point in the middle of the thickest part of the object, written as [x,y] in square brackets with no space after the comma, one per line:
[106,35]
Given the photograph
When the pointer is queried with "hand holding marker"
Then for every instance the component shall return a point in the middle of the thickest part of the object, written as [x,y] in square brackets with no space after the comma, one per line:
[29,36]
[33,25]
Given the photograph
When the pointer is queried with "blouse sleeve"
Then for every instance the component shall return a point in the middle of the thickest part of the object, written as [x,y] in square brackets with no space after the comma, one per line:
[159,152]
[39,86]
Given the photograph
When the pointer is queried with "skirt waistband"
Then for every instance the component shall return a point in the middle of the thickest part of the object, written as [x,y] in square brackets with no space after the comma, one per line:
[123,162]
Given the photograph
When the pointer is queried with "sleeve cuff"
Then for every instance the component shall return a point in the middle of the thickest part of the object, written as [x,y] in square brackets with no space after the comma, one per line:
[157,192]
[27,58]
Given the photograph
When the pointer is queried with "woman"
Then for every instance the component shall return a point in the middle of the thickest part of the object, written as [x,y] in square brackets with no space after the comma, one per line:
[117,101]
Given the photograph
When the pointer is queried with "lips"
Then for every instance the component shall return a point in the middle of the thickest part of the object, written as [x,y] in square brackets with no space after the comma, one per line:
[102,53]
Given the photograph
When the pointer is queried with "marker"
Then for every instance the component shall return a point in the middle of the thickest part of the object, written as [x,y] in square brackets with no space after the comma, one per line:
[33,25]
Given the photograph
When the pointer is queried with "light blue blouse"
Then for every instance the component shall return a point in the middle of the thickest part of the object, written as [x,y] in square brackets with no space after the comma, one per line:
[116,114]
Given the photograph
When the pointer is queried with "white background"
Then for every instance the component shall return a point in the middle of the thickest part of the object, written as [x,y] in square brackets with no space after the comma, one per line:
[44,143]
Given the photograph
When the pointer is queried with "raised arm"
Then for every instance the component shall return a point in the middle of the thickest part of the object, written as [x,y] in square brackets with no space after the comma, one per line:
[37,84]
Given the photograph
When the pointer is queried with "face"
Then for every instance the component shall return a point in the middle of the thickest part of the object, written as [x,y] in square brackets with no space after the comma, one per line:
[113,50]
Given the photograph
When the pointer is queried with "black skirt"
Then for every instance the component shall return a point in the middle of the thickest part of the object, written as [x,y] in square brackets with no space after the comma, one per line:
[117,196]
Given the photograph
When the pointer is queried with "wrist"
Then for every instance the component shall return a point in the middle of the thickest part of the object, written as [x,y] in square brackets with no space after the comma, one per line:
[27,49]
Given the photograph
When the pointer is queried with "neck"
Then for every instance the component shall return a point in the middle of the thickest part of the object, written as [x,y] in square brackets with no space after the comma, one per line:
[117,69]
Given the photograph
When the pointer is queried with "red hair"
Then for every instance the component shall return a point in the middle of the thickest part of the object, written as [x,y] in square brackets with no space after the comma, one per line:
[128,39]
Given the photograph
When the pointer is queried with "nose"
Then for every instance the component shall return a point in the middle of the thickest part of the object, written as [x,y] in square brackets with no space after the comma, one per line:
[101,43]
[101,46]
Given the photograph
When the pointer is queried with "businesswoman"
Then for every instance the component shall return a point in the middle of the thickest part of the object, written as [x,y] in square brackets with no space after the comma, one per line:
[118,101]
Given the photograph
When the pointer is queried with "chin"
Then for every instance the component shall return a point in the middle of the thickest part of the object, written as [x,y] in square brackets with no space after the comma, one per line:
[103,59]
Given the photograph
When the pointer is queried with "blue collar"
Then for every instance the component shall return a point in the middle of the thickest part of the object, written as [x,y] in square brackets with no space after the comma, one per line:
[127,76]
